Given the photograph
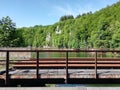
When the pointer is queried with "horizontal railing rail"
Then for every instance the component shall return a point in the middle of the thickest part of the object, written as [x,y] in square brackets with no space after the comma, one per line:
[61,50]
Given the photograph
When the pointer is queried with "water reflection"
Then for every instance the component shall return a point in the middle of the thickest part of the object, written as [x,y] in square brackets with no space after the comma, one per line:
[70,85]
[87,85]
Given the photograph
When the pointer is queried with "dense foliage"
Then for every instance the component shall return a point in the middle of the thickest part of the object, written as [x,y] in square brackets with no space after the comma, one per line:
[91,30]
[8,33]
[66,17]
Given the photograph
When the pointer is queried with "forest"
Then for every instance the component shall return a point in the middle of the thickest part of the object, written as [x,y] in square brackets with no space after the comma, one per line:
[100,29]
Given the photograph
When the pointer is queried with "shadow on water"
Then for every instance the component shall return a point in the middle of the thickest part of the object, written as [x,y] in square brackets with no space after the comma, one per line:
[2,83]
[42,83]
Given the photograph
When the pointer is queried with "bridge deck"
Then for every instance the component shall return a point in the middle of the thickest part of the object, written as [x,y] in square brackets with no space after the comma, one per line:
[61,73]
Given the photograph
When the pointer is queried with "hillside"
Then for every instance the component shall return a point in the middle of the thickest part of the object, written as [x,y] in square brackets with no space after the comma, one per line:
[91,30]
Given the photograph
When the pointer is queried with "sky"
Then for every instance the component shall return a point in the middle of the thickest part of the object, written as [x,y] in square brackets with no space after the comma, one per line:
[27,13]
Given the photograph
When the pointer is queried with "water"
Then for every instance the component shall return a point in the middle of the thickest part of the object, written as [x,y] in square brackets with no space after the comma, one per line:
[70,85]
[75,55]
[60,54]
[87,85]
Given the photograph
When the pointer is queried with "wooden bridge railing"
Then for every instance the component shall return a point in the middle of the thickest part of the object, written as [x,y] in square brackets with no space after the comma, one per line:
[67,58]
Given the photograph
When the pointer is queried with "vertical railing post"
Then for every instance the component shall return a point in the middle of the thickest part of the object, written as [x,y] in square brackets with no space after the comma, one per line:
[66,81]
[37,71]
[7,68]
[95,64]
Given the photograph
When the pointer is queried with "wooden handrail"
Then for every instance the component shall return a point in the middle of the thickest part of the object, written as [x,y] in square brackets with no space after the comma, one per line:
[61,50]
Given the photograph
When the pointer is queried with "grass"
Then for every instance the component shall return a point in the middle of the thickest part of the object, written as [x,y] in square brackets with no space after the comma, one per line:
[50,85]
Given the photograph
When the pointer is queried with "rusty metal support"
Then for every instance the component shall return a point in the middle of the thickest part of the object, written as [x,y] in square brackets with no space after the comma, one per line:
[66,81]
[37,69]
[95,65]
[7,68]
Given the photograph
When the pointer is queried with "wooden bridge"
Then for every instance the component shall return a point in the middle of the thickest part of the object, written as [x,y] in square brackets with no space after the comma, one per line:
[65,69]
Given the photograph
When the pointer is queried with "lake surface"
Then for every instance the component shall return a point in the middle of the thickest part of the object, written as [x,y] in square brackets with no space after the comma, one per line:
[87,85]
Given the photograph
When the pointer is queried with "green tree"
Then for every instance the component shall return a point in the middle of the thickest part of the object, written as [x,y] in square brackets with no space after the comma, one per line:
[66,17]
[116,36]
[8,33]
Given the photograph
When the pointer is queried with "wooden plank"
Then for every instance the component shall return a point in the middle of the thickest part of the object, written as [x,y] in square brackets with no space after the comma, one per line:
[63,65]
